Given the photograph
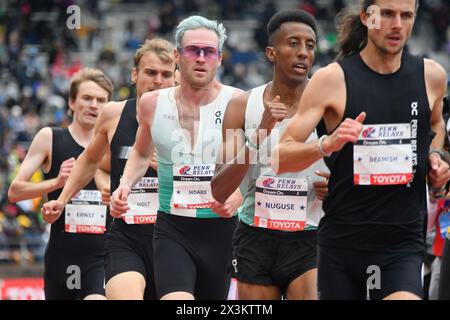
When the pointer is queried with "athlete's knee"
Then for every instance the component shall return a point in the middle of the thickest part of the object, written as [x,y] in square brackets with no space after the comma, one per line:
[95,297]
[178,295]
[402,295]
[126,286]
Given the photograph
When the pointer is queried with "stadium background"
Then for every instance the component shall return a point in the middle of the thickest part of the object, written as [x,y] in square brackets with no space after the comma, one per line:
[39,54]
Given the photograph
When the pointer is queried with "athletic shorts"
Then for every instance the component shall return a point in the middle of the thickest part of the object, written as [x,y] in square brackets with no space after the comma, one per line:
[360,275]
[272,258]
[130,251]
[193,255]
[73,275]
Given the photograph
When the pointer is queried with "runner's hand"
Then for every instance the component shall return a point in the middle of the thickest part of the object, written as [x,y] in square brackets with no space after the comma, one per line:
[439,173]
[348,131]
[118,201]
[321,187]
[229,208]
[64,171]
[274,111]
[51,211]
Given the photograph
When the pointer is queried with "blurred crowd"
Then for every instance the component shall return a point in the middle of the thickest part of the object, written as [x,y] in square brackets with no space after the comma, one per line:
[39,54]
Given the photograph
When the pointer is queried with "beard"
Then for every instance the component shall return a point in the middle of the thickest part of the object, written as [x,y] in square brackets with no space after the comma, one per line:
[385,50]
[200,83]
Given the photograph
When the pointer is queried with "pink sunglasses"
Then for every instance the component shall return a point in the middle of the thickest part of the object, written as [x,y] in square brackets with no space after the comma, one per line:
[192,52]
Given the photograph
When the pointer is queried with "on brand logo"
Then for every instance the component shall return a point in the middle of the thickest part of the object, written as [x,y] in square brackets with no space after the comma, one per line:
[414,110]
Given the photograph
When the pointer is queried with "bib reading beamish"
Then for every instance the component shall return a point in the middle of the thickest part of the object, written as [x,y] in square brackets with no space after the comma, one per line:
[383,155]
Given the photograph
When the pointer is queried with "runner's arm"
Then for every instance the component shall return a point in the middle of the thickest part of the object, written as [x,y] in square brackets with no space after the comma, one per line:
[102,177]
[436,82]
[39,152]
[324,97]
[293,154]
[233,160]
[140,157]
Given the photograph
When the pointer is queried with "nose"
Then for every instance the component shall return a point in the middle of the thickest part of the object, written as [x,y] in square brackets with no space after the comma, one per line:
[302,51]
[158,79]
[94,103]
[397,22]
[201,55]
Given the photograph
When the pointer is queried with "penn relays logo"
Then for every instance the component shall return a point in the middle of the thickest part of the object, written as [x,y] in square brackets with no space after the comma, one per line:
[267,183]
[369,132]
[185,170]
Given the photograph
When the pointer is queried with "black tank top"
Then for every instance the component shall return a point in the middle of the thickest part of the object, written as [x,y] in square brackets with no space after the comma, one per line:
[122,141]
[63,148]
[380,218]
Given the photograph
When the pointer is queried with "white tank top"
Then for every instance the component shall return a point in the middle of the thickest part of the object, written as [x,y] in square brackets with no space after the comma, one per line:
[285,202]
[184,173]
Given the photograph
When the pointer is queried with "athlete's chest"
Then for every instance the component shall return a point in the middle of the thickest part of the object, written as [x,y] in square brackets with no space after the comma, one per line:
[189,121]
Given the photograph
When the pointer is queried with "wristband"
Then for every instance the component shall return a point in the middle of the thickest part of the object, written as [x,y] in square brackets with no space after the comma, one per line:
[320,144]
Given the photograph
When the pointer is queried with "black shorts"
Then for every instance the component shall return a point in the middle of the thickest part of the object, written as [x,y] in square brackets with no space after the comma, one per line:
[360,275]
[73,275]
[193,255]
[268,257]
[130,251]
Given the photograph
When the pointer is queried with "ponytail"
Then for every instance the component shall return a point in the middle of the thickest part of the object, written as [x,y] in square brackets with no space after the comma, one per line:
[352,34]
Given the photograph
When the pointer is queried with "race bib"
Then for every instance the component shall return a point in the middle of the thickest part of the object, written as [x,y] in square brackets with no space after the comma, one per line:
[85,213]
[382,155]
[281,203]
[143,202]
[192,186]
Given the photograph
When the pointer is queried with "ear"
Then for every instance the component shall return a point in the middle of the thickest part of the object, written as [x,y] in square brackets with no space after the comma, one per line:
[270,54]
[134,74]
[72,105]
[363,16]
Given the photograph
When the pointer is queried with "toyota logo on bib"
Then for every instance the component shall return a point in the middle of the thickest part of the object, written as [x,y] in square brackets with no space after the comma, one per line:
[369,132]
[267,183]
[185,170]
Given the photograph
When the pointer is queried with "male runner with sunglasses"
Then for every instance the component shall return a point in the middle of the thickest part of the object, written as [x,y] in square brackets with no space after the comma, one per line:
[193,233]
